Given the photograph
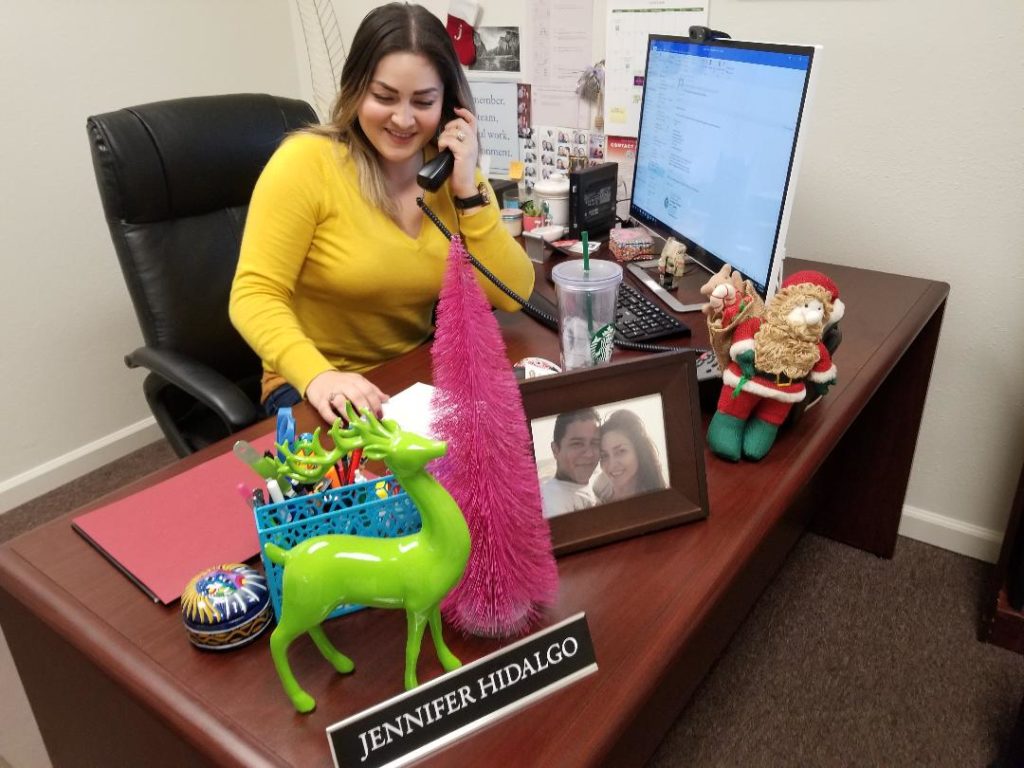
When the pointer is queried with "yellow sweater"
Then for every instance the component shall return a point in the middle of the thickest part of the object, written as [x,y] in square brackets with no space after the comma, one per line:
[326,280]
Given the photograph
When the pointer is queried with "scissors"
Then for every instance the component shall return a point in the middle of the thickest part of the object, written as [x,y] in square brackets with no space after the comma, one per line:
[285,429]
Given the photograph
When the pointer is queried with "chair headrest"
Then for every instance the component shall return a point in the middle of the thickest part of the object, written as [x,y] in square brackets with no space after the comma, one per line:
[187,157]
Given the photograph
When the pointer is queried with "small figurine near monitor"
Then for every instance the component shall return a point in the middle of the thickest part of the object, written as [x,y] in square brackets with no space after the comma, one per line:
[672,263]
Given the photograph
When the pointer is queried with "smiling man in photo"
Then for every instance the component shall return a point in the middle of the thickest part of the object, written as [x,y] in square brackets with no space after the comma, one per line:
[577,449]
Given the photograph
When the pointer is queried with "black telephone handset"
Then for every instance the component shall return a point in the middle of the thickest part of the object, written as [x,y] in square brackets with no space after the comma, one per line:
[435,172]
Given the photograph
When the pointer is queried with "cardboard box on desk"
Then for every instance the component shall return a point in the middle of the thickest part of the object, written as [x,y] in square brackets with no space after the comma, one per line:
[630,244]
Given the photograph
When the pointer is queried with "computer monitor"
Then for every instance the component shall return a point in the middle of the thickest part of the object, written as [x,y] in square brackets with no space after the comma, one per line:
[721,127]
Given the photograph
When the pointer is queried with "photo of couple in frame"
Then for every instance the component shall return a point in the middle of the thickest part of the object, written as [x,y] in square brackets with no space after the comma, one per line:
[628,457]
[595,455]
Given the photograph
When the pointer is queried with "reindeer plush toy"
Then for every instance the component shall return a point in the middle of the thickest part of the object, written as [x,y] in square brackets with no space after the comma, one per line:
[772,355]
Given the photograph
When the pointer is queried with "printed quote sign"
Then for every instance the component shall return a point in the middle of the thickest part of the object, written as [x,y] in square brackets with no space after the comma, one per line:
[496,105]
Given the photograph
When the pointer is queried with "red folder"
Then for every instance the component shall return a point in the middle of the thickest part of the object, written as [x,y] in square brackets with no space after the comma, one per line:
[163,536]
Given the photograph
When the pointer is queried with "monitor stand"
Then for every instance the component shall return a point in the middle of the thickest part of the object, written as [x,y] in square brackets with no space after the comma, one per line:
[685,297]
[687,290]
[688,287]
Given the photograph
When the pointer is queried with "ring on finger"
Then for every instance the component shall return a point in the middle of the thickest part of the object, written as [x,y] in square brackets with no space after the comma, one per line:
[460,136]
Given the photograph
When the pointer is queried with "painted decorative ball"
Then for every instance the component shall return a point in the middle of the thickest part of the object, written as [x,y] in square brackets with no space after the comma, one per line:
[226,607]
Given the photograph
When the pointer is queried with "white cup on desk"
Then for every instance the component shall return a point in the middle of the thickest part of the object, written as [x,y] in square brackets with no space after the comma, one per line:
[554,191]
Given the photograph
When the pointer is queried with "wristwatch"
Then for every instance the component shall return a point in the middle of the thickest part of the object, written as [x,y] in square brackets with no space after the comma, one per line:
[480,198]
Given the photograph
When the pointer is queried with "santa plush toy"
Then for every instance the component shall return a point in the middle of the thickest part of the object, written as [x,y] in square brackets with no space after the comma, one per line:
[772,358]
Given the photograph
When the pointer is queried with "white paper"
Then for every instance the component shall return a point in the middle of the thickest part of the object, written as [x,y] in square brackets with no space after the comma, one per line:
[561,34]
[558,106]
[629,22]
[577,247]
[411,409]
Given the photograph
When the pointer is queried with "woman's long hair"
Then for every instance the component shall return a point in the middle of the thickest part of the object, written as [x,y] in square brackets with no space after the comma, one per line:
[649,475]
[391,28]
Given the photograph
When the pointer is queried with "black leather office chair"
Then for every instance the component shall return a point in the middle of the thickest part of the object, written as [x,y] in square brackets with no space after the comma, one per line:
[175,178]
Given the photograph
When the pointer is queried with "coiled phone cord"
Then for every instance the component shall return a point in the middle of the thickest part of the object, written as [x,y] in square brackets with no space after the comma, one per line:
[531,311]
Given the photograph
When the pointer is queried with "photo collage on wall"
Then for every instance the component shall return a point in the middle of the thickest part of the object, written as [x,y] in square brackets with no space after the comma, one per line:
[544,150]
[550,149]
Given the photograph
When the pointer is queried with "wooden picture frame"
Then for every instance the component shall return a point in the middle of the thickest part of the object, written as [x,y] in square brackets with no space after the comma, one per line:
[661,391]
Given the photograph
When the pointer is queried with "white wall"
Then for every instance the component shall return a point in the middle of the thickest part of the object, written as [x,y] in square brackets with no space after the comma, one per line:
[68,402]
[914,166]
[67,319]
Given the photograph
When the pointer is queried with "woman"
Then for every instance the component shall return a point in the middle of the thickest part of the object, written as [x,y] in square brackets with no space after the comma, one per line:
[629,460]
[339,269]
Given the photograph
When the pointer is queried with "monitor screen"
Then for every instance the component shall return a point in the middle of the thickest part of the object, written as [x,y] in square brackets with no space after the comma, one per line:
[717,151]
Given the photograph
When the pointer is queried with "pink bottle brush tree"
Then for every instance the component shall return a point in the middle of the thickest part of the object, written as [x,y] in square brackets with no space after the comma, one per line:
[489,468]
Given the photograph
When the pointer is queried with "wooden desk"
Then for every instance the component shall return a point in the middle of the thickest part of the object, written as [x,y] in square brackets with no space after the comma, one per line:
[127,689]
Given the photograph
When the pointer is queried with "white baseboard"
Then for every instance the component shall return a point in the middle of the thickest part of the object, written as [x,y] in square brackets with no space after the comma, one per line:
[952,534]
[63,469]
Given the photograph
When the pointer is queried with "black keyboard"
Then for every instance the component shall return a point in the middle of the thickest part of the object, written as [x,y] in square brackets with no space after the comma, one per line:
[637,318]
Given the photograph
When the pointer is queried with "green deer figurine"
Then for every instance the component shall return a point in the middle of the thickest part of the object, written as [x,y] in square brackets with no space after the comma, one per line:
[412,572]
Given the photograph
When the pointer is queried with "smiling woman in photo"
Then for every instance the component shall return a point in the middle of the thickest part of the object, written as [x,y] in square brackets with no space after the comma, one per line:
[629,459]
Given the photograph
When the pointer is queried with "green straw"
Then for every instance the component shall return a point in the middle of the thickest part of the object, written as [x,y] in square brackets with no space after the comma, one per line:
[586,271]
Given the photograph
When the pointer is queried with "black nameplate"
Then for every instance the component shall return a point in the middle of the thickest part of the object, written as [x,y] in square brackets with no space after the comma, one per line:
[426,718]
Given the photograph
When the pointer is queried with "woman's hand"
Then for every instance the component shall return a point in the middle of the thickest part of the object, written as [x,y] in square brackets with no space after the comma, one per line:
[459,135]
[328,391]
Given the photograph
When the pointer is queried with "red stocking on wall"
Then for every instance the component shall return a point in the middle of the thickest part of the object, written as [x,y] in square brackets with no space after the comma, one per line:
[461,18]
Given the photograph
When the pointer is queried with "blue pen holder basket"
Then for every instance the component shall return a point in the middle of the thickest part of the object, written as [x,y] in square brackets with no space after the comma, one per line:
[377,508]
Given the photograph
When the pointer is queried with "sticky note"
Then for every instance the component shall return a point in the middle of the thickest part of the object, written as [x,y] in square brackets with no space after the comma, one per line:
[515,170]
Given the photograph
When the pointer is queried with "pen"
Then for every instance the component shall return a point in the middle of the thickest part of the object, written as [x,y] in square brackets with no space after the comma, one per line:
[585,237]
[275,491]
[353,465]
